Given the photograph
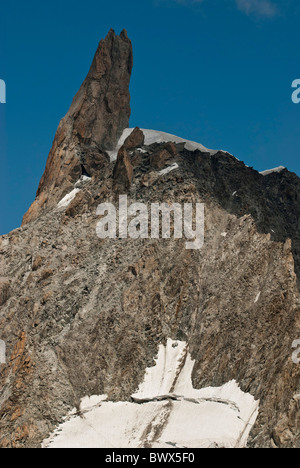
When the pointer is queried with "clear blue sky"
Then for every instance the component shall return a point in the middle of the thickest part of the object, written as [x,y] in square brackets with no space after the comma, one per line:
[214,71]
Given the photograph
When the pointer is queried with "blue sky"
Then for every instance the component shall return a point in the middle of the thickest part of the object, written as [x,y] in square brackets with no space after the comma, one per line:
[214,71]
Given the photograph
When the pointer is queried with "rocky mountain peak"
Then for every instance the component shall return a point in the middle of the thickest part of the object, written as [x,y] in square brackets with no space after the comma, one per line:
[204,338]
[99,113]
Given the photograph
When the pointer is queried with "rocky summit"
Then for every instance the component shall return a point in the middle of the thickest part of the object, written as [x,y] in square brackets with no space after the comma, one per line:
[98,329]
[94,123]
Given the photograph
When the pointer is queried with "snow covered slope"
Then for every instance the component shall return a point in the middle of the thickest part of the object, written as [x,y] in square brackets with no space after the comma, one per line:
[154,136]
[166,411]
[68,198]
[71,195]
[270,171]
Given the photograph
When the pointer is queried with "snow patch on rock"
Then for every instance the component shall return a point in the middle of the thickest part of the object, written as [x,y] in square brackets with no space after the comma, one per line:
[165,410]
[270,171]
[83,180]
[257,297]
[169,169]
[154,136]
[68,198]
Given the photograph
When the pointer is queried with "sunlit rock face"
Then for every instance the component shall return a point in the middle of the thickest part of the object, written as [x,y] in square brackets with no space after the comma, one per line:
[98,115]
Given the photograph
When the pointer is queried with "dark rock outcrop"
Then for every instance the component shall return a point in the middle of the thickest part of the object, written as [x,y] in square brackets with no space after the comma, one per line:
[4,290]
[123,172]
[135,140]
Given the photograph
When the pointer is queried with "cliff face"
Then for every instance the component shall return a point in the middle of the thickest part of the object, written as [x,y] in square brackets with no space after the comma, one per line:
[84,316]
[96,119]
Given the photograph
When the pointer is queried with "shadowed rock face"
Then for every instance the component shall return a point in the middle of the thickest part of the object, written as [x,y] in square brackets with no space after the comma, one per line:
[96,119]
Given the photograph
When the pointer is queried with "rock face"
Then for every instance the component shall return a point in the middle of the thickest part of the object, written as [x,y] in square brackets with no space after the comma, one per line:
[85,316]
[4,290]
[135,140]
[96,119]
[123,172]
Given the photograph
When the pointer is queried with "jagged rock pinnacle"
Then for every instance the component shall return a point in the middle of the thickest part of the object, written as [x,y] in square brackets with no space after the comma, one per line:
[99,113]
